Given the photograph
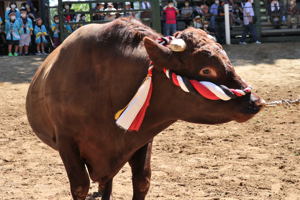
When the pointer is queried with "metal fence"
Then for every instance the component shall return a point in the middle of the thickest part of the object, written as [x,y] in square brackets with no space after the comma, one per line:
[272,23]
[76,13]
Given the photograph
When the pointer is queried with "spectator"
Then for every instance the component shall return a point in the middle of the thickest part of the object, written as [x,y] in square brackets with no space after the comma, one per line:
[197,10]
[56,31]
[99,16]
[197,22]
[205,12]
[25,32]
[275,13]
[12,27]
[220,23]
[12,8]
[67,9]
[0,22]
[147,13]
[40,32]
[30,13]
[186,13]
[214,12]
[170,14]
[145,5]
[128,13]
[293,17]
[187,10]
[82,18]
[137,6]
[237,14]
[274,6]
[111,15]
[249,27]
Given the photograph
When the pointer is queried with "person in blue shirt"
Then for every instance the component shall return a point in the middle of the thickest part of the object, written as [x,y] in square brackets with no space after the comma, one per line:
[12,27]
[40,33]
[12,8]
[56,31]
[214,12]
[1,22]
[25,32]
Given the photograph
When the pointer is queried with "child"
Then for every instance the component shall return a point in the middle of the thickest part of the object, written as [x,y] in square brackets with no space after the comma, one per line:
[12,27]
[55,30]
[25,31]
[12,8]
[197,23]
[40,37]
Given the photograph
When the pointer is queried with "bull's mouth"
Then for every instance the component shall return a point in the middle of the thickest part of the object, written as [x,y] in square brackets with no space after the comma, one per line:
[250,110]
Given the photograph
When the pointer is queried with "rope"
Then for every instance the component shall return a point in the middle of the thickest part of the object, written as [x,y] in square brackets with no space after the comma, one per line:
[283,102]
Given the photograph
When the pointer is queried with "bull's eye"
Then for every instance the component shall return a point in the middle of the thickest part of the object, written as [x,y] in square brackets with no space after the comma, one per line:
[208,72]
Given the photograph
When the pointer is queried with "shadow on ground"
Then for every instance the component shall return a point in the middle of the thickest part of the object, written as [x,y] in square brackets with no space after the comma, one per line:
[253,54]
[18,69]
[21,69]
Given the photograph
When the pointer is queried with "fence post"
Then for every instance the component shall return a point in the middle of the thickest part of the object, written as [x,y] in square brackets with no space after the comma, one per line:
[156,15]
[227,23]
[258,19]
[61,20]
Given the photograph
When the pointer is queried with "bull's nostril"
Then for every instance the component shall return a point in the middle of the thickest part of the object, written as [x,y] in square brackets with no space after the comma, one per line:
[260,103]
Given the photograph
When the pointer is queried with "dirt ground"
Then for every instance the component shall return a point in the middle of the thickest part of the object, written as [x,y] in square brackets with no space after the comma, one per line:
[259,159]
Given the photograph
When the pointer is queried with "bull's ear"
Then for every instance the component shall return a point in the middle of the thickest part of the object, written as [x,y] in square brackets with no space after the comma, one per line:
[159,54]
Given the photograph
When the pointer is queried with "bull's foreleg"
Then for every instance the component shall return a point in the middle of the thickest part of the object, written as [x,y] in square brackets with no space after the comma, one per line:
[141,171]
[75,167]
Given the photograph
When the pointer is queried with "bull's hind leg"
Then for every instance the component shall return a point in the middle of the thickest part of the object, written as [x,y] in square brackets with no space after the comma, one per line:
[141,171]
[75,167]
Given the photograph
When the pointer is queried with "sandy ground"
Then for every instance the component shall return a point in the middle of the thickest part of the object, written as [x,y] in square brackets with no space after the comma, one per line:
[259,159]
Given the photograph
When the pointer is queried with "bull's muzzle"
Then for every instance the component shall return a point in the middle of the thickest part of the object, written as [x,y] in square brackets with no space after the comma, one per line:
[255,104]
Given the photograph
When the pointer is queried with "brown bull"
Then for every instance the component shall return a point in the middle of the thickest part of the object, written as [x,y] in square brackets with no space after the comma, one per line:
[76,92]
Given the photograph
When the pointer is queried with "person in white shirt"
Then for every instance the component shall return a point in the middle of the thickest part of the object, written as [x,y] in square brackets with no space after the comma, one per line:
[275,13]
[145,5]
[249,27]
[275,7]
[112,15]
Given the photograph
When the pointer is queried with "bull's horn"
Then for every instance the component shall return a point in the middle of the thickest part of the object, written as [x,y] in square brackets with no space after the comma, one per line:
[177,45]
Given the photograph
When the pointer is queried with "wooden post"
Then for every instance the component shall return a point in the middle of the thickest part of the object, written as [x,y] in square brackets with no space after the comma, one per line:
[156,15]
[43,12]
[61,20]
[258,20]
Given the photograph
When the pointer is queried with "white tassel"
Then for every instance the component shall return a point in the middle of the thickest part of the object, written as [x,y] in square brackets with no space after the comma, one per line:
[131,111]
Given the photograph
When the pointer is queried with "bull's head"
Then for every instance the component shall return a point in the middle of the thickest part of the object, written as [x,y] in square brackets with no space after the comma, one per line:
[195,54]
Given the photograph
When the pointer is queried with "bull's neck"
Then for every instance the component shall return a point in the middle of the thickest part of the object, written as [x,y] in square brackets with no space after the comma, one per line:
[163,109]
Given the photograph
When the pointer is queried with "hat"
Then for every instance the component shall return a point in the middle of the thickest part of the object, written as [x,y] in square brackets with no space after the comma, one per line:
[110,4]
[11,12]
[197,17]
[127,3]
[23,9]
